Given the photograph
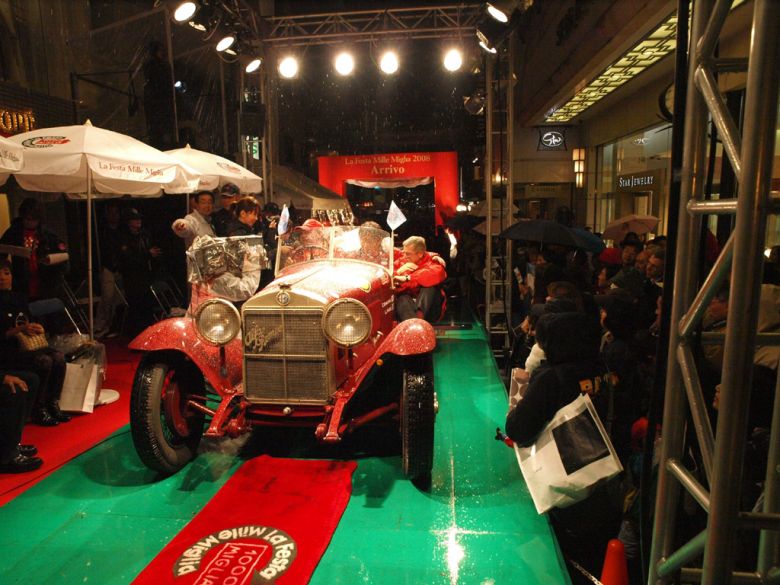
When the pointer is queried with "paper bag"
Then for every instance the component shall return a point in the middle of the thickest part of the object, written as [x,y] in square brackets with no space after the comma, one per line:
[81,388]
[570,457]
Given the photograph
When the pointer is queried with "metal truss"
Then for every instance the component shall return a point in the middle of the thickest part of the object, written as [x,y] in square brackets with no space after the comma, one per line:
[751,156]
[372,25]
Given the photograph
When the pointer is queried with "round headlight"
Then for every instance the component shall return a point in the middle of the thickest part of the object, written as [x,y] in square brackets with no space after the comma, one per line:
[347,322]
[217,321]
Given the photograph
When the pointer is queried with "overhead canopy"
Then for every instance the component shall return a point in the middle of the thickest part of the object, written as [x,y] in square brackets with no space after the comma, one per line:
[304,193]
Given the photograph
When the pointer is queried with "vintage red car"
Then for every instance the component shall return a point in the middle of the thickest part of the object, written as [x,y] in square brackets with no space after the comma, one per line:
[317,347]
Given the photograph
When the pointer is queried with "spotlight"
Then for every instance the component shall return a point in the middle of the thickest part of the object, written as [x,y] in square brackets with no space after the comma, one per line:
[501,10]
[226,42]
[475,103]
[344,63]
[389,62]
[180,86]
[253,65]
[453,60]
[485,43]
[185,11]
[288,67]
[491,33]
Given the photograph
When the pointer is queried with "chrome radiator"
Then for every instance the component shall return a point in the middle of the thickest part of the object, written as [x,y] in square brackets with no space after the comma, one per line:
[285,356]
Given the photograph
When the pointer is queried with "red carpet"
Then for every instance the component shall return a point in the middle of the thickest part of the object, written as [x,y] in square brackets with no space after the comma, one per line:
[58,445]
[271,522]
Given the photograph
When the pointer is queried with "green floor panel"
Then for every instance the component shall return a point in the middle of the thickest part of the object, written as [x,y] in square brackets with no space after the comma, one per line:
[477,523]
[103,517]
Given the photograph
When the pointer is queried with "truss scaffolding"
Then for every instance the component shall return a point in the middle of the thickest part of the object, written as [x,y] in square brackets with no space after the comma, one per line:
[751,156]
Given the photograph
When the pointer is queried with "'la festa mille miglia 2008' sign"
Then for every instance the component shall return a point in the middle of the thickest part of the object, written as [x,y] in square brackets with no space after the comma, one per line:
[245,555]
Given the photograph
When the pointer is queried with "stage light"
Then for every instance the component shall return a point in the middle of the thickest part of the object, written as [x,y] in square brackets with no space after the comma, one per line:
[344,63]
[253,65]
[226,42]
[453,60]
[475,103]
[185,11]
[486,43]
[389,62]
[288,67]
[501,10]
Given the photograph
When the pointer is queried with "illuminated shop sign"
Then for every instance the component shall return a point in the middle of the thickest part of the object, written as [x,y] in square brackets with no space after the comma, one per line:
[16,121]
[644,181]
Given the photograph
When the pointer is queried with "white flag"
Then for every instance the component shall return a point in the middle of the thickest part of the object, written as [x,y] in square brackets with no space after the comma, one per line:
[395,217]
[284,220]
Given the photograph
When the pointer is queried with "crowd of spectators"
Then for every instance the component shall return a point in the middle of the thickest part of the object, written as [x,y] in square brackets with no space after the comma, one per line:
[606,327]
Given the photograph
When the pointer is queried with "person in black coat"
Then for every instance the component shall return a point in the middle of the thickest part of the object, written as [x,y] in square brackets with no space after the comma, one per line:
[33,277]
[138,263]
[571,345]
[246,211]
[47,363]
[18,392]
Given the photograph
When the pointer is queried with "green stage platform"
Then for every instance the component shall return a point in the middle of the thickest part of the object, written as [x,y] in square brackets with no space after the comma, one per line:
[103,517]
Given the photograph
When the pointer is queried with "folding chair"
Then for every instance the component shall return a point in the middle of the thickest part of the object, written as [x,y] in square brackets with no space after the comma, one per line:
[167,300]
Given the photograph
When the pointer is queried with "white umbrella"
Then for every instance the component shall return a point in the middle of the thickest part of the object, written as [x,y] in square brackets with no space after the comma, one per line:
[216,171]
[639,224]
[96,162]
[11,158]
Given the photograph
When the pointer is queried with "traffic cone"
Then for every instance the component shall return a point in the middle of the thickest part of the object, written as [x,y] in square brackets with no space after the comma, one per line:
[615,570]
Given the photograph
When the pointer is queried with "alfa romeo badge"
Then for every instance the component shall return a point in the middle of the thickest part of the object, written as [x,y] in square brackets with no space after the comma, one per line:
[283,298]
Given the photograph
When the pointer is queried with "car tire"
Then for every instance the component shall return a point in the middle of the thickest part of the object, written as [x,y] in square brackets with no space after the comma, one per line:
[417,420]
[165,432]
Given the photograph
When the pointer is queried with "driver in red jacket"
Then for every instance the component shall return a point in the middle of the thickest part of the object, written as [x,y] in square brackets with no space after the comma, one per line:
[418,276]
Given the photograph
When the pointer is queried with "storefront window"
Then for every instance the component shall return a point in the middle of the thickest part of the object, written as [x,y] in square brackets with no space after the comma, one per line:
[645,155]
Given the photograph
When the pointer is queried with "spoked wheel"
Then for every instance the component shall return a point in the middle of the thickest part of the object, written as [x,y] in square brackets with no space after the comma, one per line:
[417,420]
[166,430]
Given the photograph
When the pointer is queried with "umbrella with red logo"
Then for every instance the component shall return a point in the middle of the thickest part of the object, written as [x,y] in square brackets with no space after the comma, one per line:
[94,162]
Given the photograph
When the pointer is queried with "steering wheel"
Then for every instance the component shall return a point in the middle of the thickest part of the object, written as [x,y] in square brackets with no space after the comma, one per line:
[308,252]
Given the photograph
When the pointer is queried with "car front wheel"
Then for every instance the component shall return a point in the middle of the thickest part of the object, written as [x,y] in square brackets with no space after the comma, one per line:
[166,430]
[417,420]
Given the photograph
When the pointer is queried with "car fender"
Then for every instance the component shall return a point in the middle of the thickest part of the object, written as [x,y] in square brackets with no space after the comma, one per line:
[410,337]
[223,370]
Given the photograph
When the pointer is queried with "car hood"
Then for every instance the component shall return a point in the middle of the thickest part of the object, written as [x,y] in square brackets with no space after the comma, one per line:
[325,281]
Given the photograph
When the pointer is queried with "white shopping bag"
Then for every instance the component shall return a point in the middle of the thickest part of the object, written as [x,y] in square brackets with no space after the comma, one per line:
[570,457]
[81,388]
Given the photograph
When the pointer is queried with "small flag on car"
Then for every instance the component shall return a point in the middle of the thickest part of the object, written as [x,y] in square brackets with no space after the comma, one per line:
[284,220]
[395,217]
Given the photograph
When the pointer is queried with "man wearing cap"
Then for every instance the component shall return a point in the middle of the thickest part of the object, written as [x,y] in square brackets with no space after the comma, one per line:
[418,278]
[222,219]
[306,243]
[198,221]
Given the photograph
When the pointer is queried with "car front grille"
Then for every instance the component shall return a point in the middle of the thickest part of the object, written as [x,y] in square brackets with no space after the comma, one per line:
[285,357]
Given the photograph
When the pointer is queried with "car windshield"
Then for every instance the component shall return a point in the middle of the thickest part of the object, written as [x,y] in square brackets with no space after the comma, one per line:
[307,244]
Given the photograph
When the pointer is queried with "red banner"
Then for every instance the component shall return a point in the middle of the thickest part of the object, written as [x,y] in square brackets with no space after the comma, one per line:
[442,167]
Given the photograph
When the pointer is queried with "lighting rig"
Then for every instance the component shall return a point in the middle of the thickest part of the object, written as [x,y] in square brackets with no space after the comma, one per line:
[232,27]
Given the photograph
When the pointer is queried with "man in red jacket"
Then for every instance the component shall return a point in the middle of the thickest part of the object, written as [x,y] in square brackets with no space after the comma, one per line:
[418,277]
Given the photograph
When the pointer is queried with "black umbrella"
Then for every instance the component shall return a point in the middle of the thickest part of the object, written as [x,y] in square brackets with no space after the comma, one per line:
[462,222]
[542,231]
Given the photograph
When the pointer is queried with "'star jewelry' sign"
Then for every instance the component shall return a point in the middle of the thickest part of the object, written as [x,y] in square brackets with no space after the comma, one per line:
[640,182]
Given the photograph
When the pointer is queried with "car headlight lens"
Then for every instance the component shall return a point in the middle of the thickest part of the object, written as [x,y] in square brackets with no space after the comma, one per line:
[347,322]
[217,321]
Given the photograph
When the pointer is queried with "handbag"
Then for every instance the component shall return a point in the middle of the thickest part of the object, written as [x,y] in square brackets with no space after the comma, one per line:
[29,342]
[570,457]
